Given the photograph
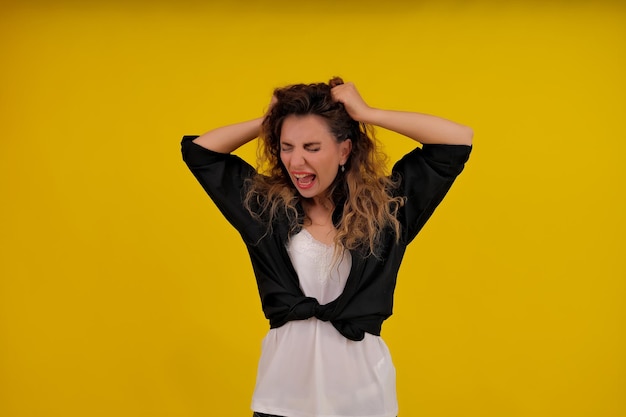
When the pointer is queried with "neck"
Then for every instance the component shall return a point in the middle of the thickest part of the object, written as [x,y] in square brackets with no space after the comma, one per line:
[319,203]
[318,211]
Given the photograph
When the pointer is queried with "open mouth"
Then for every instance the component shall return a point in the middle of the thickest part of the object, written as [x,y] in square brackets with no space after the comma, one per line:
[304,180]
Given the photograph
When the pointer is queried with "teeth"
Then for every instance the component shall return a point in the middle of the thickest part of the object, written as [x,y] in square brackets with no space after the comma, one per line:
[301,175]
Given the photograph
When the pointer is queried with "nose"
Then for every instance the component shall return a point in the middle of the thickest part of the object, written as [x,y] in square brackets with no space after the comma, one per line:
[297,158]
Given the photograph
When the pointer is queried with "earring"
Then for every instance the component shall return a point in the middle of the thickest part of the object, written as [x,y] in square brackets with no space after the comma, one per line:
[343,168]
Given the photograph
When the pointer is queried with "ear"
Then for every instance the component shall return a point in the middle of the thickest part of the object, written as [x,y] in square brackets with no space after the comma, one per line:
[345,150]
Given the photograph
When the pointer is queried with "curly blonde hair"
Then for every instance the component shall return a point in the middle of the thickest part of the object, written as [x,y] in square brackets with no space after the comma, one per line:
[364,189]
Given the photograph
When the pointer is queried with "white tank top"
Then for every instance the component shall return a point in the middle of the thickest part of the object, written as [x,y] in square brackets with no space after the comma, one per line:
[307,368]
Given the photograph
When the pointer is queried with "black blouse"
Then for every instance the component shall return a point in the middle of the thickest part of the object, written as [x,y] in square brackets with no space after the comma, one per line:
[425,174]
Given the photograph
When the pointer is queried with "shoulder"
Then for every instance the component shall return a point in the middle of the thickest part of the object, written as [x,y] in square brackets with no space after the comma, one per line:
[438,159]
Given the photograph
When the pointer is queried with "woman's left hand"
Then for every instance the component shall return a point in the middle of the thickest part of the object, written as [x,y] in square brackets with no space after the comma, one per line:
[347,94]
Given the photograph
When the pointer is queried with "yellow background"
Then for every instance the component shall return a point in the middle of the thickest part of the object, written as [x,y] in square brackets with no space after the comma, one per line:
[123,292]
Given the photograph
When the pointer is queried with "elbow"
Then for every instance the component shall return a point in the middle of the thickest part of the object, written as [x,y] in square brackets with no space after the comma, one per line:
[466,136]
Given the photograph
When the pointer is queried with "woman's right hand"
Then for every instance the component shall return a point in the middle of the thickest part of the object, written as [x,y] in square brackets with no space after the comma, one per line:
[273,101]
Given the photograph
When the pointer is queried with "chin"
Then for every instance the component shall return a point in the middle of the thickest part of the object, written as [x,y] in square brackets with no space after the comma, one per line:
[307,193]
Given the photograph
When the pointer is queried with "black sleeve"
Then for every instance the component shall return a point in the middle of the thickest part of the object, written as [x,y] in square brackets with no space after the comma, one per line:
[426,174]
[222,176]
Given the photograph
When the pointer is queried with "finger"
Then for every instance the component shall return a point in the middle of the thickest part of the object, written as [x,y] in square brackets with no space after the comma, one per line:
[339,91]
[335,94]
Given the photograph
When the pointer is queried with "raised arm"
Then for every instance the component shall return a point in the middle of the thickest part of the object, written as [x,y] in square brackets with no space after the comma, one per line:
[226,139]
[423,128]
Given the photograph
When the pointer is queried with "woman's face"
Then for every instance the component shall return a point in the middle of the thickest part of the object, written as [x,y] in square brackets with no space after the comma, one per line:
[311,154]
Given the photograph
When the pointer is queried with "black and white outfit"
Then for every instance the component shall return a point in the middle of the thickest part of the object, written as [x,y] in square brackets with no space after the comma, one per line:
[323,355]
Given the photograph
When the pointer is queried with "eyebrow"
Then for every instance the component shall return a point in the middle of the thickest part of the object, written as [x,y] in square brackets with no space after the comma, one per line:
[286,142]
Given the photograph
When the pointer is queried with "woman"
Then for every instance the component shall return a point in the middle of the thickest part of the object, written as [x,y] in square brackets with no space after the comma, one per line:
[326,231]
